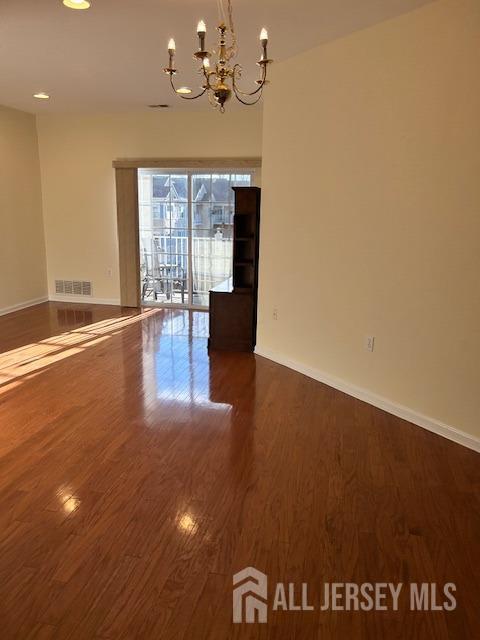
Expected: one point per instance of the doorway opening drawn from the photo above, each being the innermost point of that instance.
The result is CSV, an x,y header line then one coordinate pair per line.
x,y
185,233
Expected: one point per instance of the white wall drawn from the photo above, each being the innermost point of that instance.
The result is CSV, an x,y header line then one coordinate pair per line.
x,y
22,247
79,186
371,212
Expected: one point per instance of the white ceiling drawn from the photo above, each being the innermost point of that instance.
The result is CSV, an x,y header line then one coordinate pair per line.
x,y
111,56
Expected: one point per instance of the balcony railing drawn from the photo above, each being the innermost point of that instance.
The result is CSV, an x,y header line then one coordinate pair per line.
x,y
164,266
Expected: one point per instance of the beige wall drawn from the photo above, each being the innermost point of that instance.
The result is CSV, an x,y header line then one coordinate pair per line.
x,y
371,211
370,220
22,247
78,179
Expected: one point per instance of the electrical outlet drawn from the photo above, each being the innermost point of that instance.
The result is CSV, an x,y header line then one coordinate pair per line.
x,y
275,314
109,273
370,343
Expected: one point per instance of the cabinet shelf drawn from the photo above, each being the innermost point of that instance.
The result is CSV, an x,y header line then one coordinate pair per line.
x,y
233,311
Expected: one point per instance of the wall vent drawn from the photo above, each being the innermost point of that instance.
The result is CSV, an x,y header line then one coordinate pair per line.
x,y
73,287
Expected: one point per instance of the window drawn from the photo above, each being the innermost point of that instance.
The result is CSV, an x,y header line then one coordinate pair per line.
x,y
186,233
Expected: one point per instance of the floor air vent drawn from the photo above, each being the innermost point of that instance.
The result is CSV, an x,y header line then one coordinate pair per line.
x,y
73,287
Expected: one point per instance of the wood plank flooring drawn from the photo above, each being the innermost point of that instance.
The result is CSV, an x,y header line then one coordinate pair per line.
x,y
138,474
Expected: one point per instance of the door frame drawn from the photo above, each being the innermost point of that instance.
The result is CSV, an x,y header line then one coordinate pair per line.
x,y
126,179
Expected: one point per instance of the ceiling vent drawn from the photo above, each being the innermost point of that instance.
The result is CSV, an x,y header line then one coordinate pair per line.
x,y
73,287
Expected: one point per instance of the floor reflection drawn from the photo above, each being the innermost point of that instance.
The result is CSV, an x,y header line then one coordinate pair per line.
x,y
176,363
201,394
69,317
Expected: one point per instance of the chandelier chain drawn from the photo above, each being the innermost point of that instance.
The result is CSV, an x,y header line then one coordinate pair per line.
x,y
232,50
221,11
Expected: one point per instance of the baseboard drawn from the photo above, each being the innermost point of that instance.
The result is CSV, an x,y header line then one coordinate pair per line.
x,y
23,305
431,424
84,300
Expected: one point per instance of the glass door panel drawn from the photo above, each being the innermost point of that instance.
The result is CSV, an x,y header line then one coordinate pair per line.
x,y
186,233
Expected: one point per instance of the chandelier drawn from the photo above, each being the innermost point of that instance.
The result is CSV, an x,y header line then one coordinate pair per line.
x,y
219,77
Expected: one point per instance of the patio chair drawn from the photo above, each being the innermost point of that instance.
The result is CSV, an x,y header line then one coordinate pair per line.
x,y
178,280
152,277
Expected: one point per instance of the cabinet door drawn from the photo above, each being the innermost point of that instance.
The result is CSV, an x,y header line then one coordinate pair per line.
x,y
231,322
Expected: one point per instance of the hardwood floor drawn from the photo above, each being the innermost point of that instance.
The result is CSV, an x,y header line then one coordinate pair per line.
x,y
138,474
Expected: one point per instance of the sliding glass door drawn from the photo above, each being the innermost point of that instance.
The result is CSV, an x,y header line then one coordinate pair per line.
x,y
186,233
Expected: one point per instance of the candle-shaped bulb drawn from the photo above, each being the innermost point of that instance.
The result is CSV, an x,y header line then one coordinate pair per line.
x,y
201,32
206,63
263,34
171,45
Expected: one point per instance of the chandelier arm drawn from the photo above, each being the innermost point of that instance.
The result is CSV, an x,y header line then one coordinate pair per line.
x,y
249,104
257,90
207,74
199,95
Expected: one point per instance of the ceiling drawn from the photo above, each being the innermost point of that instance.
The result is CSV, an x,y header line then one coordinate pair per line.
x,y
111,56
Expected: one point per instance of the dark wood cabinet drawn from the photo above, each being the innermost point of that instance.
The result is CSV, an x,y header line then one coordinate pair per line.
x,y
233,304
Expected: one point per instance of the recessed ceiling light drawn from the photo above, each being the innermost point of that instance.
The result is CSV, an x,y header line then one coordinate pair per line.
x,y
77,4
41,96
184,90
